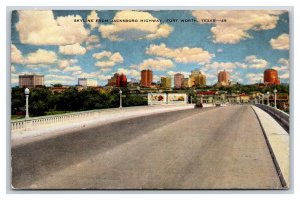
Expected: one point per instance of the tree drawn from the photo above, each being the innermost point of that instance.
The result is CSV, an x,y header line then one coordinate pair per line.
x,y
39,101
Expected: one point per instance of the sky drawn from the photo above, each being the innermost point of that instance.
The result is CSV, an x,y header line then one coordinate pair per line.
x,y
65,45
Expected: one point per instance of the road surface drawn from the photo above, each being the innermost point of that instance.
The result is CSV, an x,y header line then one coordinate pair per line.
x,y
213,148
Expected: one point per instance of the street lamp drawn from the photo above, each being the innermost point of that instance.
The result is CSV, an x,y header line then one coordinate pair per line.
x,y
120,92
268,93
27,91
275,91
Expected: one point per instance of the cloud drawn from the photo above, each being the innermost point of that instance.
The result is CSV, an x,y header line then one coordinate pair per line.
x,y
16,55
39,27
284,67
228,66
14,78
219,50
236,77
132,73
72,49
92,17
92,46
107,59
256,63
164,30
284,76
158,64
12,69
238,23
105,64
92,42
62,79
66,63
281,42
134,25
102,54
172,73
55,70
52,76
41,56
72,69
36,66
254,78
97,75
181,55
283,61
93,39
280,68
156,78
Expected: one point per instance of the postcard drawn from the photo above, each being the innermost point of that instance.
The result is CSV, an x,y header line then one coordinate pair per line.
x,y
150,99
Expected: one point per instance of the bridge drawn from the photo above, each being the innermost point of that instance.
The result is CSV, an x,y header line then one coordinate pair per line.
x,y
153,147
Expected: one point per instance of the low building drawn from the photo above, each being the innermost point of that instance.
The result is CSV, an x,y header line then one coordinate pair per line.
x,y
244,98
56,89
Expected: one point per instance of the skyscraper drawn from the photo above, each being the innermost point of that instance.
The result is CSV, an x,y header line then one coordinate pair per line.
x,y
178,80
121,81
197,78
146,78
271,77
166,82
31,81
118,80
200,80
223,78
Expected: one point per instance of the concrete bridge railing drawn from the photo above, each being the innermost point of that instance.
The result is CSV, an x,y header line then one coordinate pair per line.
x,y
35,123
32,123
281,116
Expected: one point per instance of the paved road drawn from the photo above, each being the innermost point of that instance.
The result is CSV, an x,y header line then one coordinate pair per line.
x,y
216,148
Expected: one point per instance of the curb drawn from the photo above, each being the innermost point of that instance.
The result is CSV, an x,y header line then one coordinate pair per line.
x,y
283,179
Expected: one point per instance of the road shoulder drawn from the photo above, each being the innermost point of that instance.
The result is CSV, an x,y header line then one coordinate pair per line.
x,y
278,142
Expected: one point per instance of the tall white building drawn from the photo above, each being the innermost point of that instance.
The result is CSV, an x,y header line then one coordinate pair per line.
x,y
88,82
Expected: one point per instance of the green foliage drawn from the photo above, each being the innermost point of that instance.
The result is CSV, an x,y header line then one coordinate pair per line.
x,y
134,100
42,101
17,99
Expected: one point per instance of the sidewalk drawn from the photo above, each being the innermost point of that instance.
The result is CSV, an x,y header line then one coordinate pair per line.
x,y
106,116
278,142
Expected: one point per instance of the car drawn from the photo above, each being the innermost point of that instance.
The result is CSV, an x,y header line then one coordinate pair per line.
x,y
198,105
218,104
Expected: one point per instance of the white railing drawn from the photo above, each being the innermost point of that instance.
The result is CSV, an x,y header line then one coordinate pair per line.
x,y
34,122
282,116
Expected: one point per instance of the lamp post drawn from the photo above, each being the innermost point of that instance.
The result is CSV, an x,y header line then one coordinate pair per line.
x,y
268,93
275,91
120,92
27,91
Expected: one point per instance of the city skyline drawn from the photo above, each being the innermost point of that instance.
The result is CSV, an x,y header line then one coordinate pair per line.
x,y
98,50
